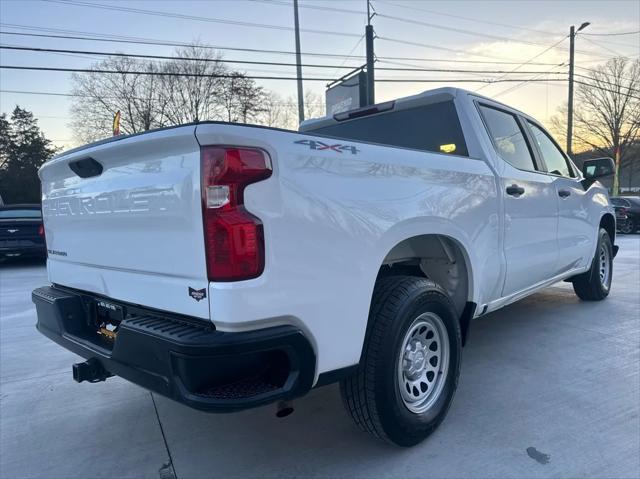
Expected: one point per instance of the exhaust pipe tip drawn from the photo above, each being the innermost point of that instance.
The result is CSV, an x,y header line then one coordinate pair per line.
x,y
284,409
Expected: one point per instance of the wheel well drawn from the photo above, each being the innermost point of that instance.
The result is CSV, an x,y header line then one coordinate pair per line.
x,y
609,224
437,257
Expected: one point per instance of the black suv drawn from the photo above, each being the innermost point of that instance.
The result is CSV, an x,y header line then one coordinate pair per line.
x,y
21,232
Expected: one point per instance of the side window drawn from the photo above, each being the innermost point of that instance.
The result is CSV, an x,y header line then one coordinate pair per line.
x,y
554,158
508,138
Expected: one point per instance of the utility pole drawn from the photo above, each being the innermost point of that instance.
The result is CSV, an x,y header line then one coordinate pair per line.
x,y
371,95
298,63
572,39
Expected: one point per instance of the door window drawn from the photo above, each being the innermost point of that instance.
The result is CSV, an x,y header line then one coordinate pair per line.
x,y
554,158
508,138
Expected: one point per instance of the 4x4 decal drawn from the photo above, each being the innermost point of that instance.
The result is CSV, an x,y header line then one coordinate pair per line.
x,y
319,145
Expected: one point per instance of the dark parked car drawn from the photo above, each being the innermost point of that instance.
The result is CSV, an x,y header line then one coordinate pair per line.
x,y
627,213
21,232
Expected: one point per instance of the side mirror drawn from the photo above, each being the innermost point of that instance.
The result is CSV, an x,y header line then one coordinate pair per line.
x,y
598,168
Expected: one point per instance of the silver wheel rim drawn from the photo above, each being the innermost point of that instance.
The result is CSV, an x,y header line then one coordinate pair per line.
x,y
423,362
605,266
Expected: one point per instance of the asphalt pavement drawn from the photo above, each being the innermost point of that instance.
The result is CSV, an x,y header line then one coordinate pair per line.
x,y
550,387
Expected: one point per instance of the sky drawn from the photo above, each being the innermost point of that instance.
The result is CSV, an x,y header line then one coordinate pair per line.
x,y
410,33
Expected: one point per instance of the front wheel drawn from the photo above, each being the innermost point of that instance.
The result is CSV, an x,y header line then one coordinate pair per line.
x,y
595,284
409,371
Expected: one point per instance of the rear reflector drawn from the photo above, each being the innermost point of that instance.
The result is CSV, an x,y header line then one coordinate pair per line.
x,y
234,238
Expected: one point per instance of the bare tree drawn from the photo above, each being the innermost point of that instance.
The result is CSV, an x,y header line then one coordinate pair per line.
x,y
279,112
607,111
98,96
283,112
193,87
274,110
193,98
313,105
241,98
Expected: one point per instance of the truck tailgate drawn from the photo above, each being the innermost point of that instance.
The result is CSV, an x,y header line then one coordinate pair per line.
x,y
132,232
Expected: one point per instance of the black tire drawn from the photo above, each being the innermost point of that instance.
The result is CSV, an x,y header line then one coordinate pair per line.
x,y
372,394
590,286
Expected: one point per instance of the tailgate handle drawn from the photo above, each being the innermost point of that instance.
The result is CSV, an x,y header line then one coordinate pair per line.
x,y
86,168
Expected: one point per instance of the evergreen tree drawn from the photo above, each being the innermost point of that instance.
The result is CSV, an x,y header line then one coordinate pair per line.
x,y
23,149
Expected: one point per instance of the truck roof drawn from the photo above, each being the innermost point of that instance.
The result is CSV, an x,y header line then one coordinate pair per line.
x,y
424,98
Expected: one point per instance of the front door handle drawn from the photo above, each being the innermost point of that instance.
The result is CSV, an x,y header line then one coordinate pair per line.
x,y
515,190
564,193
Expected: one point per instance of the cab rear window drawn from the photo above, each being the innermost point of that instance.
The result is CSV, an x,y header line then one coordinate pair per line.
x,y
434,127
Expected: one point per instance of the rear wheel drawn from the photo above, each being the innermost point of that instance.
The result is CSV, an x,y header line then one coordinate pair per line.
x,y
594,285
409,371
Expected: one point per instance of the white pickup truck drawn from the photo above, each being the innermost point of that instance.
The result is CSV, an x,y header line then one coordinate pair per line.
x,y
228,266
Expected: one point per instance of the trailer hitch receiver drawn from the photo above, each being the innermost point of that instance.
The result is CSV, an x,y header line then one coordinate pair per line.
x,y
91,370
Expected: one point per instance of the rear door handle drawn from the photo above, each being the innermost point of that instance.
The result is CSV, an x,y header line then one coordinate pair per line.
x,y
564,193
515,190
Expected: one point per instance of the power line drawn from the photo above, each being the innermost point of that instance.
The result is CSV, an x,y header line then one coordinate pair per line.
x,y
617,85
266,26
480,62
142,41
457,30
532,58
156,73
311,7
350,52
434,47
470,19
471,32
611,34
453,50
77,95
47,93
486,35
137,40
253,77
213,60
603,47
181,16
607,90
406,20
488,22
515,87
167,57
598,71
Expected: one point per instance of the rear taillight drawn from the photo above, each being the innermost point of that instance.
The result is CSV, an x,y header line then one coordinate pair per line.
x,y
233,237
41,230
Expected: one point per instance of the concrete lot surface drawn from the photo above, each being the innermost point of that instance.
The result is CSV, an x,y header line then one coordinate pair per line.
x,y
549,388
